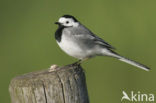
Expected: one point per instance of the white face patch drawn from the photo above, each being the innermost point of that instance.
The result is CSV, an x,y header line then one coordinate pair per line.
x,y
68,22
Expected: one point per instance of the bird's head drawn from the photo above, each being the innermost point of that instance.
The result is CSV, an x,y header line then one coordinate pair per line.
x,y
67,21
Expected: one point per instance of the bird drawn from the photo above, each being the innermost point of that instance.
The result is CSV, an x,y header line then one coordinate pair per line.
x,y
78,41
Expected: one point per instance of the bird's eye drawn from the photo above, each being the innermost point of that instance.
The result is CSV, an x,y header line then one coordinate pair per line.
x,y
67,22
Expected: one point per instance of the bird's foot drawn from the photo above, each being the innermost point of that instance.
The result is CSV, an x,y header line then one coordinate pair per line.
x,y
80,61
77,63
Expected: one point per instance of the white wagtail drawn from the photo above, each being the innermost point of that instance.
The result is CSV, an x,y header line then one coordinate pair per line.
x,y
79,42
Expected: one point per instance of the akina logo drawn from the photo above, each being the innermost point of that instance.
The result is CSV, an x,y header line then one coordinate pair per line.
x,y
137,96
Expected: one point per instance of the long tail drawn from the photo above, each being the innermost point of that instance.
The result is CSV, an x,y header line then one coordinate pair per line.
x,y
134,63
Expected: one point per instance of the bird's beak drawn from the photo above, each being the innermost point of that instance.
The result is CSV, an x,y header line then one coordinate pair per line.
x,y
57,23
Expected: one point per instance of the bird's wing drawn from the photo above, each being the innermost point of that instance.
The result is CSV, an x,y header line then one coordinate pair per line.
x,y
85,33
102,42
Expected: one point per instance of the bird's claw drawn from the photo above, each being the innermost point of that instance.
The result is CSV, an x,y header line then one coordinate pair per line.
x,y
77,63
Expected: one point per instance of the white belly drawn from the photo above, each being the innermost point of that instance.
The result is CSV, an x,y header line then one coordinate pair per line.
x,y
72,48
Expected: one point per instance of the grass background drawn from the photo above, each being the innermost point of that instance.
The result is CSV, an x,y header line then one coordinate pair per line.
x,y
27,43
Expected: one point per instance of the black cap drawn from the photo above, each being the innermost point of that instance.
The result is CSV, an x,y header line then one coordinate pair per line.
x,y
70,16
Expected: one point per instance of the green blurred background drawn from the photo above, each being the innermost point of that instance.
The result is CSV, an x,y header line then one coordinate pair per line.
x,y
27,43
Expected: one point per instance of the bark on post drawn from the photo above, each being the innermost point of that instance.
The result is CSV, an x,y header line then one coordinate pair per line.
x,y
64,85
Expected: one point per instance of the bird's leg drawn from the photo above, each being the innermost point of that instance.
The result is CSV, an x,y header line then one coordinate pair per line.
x,y
80,61
77,62
85,59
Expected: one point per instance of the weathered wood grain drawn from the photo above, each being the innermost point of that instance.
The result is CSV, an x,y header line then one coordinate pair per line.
x,y
64,85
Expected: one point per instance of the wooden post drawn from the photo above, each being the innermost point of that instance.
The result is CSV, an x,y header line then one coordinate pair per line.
x,y
63,85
